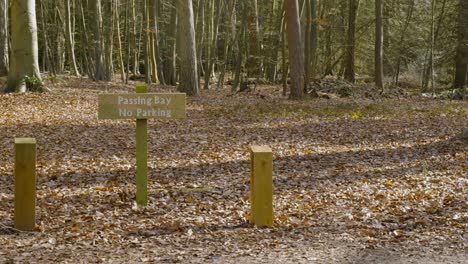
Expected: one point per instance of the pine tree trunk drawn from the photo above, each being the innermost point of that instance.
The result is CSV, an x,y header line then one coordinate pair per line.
x,y
296,56
24,65
188,54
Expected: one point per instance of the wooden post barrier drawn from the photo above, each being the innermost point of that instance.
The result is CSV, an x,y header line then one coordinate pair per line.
x,y
261,186
25,184
141,155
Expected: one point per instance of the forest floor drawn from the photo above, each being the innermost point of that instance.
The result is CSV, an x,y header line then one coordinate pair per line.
x,y
356,180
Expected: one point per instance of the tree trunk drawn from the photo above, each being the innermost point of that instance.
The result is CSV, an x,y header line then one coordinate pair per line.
x,y
461,59
24,68
241,39
172,43
69,40
296,56
409,15
98,60
349,65
119,40
254,67
108,33
188,54
229,38
307,45
216,5
3,38
379,44
59,37
314,38
155,38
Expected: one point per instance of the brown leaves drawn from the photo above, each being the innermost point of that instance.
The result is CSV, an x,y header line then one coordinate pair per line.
x,y
364,172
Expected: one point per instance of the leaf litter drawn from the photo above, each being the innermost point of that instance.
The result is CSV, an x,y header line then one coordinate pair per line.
x,y
351,176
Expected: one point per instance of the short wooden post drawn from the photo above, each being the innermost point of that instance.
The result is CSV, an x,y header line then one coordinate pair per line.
x,y
261,186
25,184
141,155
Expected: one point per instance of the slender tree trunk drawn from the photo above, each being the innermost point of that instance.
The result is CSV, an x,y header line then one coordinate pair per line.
x,y
146,42
284,65
3,38
188,54
99,64
402,38
307,45
119,40
379,44
433,37
277,36
254,64
172,43
155,37
241,39
90,66
108,33
59,39
128,41
69,40
24,65
461,58
296,56
314,39
201,29
229,38
217,5
349,68
134,39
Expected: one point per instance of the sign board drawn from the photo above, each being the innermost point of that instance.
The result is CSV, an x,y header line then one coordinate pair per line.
x,y
141,106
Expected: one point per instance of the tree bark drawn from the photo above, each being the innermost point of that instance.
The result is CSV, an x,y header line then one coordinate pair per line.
x,y
70,41
3,38
296,56
98,60
349,65
254,67
461,58
409,15
307,45
314,38
379,44
188,54
24,68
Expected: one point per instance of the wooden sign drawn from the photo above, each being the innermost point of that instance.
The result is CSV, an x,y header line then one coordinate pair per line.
x,y
141,106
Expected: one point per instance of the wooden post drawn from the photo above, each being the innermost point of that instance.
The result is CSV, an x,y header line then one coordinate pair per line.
x,y
261,186
25,183
141,155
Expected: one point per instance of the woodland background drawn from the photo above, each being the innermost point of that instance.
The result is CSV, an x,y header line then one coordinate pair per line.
x,y
423,42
